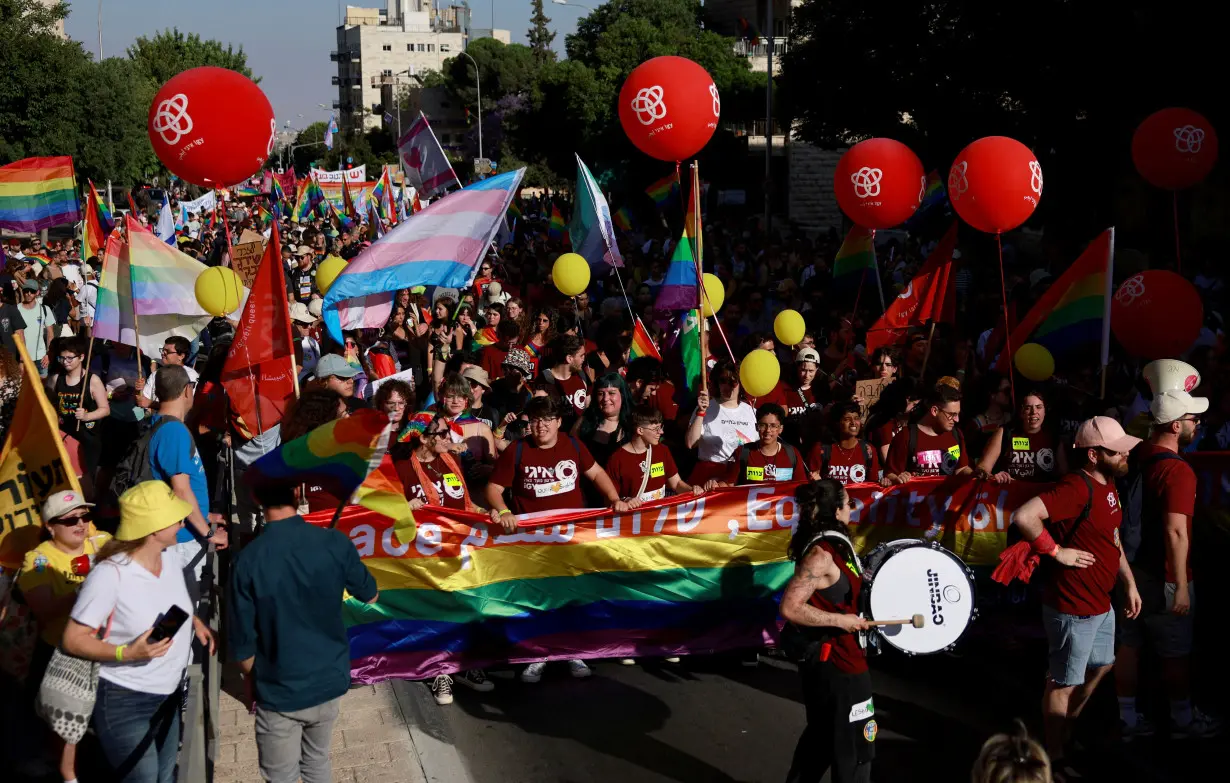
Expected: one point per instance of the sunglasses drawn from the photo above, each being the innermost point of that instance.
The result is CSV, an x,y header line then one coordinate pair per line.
x,y
437,433
71,522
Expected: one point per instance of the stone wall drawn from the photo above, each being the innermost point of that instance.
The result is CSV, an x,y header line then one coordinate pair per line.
x,y
812,203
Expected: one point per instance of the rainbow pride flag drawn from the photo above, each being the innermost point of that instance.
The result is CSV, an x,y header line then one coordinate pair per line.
x,y
98,225
338,456
623,219
642,344
1074,313
856,255
681,288
42,258
663,190
514,211
38,193
555,229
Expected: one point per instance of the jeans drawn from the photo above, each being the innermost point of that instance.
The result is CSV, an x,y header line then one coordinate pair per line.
x,y
139,732
294,744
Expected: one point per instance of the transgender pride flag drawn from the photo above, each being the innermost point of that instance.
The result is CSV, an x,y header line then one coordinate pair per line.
x,y
440,246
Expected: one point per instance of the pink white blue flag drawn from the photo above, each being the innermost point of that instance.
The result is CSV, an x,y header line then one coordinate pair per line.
x,y
426,166
439,246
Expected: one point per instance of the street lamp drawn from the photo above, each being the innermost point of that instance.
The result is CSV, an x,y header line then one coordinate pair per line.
x,y
574,5
479,87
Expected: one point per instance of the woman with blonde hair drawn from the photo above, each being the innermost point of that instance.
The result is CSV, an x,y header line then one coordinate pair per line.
x,y
1012,758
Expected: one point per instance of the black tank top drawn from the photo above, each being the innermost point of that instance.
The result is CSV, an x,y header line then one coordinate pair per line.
x,y
67,398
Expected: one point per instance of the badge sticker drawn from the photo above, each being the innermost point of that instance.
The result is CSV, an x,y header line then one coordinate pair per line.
x,y
784,474
657,470
1020,444
954,451
862,711
870,730
755,474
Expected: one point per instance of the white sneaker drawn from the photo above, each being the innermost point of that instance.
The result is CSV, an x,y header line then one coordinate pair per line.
x,y
1200,727
1143,728
533,672
442,689
579,670
672,659
476,679
628,661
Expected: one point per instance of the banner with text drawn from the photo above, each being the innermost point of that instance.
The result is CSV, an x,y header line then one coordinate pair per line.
x,y
356,174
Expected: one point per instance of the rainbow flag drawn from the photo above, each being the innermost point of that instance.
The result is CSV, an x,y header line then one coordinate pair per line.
x,y
486,336
38,193
555,230
245,191
663,190
514,211
642,344
311,202
276,192
263,215
98,224
856,254
1074,313
681,288
623,219
41,258
381,193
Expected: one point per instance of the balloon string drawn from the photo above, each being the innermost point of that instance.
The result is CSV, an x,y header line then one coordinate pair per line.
x,y
1003,292
1174,195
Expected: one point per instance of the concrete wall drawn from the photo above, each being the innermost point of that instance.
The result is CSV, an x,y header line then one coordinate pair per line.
x,y
812,202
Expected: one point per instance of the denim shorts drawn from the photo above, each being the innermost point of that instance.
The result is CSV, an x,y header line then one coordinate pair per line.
x,y
1075,644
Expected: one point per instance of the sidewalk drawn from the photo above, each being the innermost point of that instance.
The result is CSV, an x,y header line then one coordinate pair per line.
x,y
372,742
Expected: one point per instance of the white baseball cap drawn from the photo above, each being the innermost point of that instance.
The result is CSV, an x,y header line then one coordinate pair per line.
x,y
1170,406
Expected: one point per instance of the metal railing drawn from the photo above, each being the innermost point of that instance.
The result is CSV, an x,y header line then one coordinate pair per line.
x,y
759,47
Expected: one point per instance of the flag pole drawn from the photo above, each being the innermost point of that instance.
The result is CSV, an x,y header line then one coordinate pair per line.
x,y
85,377
698,248
1106,298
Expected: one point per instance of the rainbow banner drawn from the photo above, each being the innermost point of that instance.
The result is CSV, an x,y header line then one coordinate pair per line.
x,y
680,576
38,193
663,190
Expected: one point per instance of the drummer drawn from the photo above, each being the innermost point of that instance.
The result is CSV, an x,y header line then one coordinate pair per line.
x,y
821,602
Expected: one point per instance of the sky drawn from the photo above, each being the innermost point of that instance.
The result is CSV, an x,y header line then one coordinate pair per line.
x,y
287,41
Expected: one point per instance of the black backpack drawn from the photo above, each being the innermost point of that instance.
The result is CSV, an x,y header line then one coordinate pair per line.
x,y
791,452
826,458
135,468
911,454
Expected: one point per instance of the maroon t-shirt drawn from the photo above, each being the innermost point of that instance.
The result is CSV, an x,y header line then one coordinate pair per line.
x,y
1172,482
575,391
849,466
627,471
797,401
449,486
934,455
1028,457
761,468
491,358
1083,591
547,479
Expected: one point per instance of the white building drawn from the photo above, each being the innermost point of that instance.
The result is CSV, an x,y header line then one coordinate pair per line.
x,y
503,36
376,46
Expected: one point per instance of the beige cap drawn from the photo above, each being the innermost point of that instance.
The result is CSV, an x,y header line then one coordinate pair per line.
x,y
1105,433
59,504
478,375
299,312
807,355
315,307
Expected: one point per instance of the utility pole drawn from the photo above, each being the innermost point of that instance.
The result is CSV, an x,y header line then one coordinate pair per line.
x,y
768,128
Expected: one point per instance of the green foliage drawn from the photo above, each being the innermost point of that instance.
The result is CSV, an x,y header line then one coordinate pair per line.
x,y
115,103
539,35
503,69
170,52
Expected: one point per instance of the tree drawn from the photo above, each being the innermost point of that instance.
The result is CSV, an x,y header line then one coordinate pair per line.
x,y
170,52
309,146
114,143
503,69
539,35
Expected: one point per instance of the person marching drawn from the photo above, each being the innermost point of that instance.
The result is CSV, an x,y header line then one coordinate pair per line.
x,y
1159,550
643,469
850,460
1031,454
820,605
716,431
933,446
768,459
1076,599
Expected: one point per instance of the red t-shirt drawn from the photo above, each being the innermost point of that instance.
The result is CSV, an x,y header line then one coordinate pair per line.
x,y
449,486
849,466
761,468
934,455
797,401
778,396
547,479
846,655
575,391
1028,457
884,434
627,471
1083,591
1172,485
491,359
665,401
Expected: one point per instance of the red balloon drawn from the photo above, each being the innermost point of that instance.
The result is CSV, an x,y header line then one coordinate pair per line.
x,y
669,107
212,126
995,184
1156,314
879,183
1174,148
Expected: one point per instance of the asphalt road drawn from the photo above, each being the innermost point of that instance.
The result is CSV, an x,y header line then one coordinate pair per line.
x,y
710,719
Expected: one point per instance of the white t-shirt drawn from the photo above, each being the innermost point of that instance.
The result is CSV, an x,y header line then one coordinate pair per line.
x,y
149,393
725,430
37,318
139,599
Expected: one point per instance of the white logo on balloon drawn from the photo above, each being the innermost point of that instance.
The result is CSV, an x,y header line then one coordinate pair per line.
x,y
273,137
867,182
717,101
957,183
649,105
1035,177
922,189
1188,139
171,119
1132,289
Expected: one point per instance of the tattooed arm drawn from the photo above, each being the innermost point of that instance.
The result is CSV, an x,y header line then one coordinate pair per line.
x,y
816,572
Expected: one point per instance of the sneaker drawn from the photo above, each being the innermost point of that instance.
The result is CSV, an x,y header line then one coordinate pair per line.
x,y
672,659
579,670
628,661
1143,728
476,679
442,689
533,672
1200,727
750,660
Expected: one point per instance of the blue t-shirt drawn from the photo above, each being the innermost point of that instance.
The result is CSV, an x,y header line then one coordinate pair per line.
x,y
171,451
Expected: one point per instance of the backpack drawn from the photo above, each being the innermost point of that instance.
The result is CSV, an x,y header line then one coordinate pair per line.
x,y
745,453
1132,501
826,457
911,463
135,467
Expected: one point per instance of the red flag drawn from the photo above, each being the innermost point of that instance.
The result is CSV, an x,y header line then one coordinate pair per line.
x,y
259,374
928,297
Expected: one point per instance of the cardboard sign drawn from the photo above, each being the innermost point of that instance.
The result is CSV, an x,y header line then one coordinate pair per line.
x,y
869,393
246,256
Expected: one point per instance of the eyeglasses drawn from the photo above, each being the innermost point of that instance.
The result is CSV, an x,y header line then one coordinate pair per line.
x,y
437,433
659,427
169,352
395,404
950,415
764,425
543,421
67,359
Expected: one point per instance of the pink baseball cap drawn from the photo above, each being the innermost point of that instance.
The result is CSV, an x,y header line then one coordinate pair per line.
x,y
1106,433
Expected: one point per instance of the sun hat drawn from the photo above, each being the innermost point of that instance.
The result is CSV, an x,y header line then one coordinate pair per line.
x,y
149,507
478,375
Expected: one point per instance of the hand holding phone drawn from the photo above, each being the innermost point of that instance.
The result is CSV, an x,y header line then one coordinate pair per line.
x,y
169,624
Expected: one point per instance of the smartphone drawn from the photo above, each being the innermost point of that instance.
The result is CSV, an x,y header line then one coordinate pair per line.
x,y
169,624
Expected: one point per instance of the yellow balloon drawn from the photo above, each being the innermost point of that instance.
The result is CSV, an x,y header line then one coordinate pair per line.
x,y
570,274
327,272
789,327
759,372
1035,362
219,291
715,295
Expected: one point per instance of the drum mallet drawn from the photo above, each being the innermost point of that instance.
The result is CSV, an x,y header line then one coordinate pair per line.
x,y
917,621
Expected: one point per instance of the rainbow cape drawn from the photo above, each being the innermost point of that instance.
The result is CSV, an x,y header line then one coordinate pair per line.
x,y
662,190
38,193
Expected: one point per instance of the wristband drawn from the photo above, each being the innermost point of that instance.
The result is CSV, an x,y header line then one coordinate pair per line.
x,y
507,511
119,653
1044,544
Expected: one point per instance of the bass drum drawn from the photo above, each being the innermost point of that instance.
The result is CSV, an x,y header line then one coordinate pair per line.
x,y
908,577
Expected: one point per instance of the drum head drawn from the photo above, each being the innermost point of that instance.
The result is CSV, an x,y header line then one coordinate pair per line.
x,y
922,579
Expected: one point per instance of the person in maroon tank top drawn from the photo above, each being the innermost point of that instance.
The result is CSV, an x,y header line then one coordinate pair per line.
x,y
821,605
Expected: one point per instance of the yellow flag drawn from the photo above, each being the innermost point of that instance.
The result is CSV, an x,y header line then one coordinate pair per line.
x,y
33,465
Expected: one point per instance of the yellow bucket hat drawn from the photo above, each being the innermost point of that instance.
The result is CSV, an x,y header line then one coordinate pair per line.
x,y
147,508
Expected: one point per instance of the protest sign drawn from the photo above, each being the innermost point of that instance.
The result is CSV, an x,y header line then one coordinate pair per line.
x,y
246,256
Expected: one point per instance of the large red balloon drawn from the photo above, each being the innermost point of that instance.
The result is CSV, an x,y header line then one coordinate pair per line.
x,y
669,107
995,184
879,183
1174,148
212,126
1156,314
